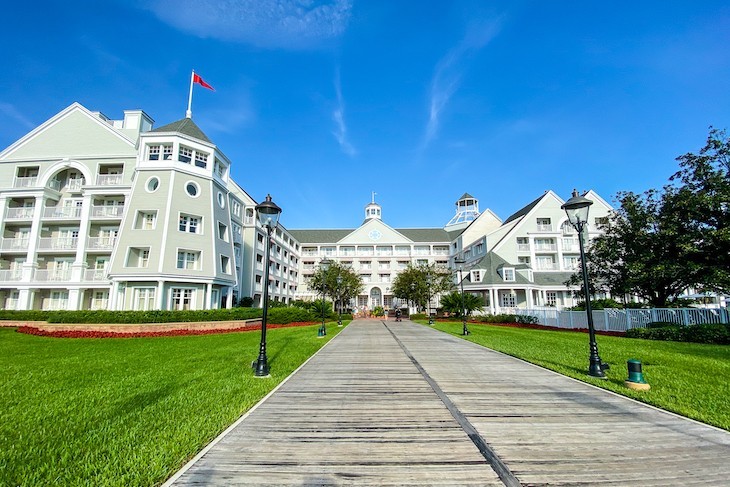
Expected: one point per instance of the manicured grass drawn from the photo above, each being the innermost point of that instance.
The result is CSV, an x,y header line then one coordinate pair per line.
x,y
690,379
128,411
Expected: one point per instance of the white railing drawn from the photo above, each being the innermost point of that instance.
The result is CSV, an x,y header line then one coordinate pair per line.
x,y
15,243
523,247
74,184
347,253
95,275
544,227
98,304
402,252
546,247
547,267
624,319
11,275
248,220
53,275
100,243
27,182
59,243
62,212
103,211
108,179
19,213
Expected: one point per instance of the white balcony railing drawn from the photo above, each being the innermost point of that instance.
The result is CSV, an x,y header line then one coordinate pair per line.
x,y
544,227
15,243
23,213
51,275
108,179
523,247
74,184
101,243
95,275
28,182
58,243
11,275
248,220
546,247
547,267
105,211
98,304
62,212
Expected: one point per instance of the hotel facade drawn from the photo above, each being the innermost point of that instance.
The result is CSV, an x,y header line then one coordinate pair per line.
x,y
98,213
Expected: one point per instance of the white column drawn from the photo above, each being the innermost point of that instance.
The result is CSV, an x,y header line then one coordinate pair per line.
x,y
209,296
35,230
113,296
74,296
159,298
229,298
80,265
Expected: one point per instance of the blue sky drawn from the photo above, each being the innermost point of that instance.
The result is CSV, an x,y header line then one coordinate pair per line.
x,y
322,102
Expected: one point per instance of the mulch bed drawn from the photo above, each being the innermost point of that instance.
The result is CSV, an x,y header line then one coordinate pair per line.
x,y
29,330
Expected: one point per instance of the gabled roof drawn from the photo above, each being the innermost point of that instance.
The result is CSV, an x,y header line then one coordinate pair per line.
x,y
335,235
425,234
186,126
467,195
526,209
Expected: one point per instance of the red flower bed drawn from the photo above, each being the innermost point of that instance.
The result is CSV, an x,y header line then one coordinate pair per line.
x,y
29,330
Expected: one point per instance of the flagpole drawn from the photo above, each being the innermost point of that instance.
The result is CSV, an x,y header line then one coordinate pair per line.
x,y
189,112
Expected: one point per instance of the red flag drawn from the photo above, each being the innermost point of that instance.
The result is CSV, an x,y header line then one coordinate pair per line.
x,y
201,82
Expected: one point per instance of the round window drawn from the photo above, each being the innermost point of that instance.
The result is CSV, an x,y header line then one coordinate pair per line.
x,y
221,200
192,189
152,184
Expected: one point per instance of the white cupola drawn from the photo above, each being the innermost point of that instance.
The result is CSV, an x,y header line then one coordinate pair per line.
x,y
467,209
372,210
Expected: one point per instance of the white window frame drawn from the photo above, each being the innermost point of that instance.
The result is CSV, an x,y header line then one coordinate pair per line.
x,y
144,298
189,223
508,274
179,296
188,260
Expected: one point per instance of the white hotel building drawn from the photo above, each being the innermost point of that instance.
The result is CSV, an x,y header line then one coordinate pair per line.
x,y
115,214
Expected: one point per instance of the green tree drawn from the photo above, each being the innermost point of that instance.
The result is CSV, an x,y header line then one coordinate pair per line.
x,y
324,281
452,303
420,283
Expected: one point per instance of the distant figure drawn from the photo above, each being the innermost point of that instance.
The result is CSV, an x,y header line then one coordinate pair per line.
x,y
397,314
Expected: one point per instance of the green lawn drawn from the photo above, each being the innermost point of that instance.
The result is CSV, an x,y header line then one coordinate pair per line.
x,y
690,379
128,411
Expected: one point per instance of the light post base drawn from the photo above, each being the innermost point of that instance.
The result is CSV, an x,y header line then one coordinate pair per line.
x,y
321,332
595,370
260,368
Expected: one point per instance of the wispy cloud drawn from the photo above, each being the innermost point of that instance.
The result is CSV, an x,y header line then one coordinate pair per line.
x,y
448,72
338,116
289,24
11,112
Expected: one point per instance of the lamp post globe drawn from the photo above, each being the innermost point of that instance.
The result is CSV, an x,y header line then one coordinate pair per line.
x,y
577,210
268,216
460,262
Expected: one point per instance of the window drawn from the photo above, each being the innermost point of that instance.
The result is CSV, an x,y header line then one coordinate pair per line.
x,y
479,248
222,232
144,298
58,300
219,168
154,151
152,184
476,276
146,220
508,300
185,154
192,189
523,260
182,299
226,264
523,244
138,257
188,259
201,159
221,200
544,225
167,152
545,263
189,223
508,274
570,262
236,208
551,298
601,221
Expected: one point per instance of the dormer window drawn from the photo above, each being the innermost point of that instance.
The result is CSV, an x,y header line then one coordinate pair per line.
x,y
201,159
154,152
508,274
185,154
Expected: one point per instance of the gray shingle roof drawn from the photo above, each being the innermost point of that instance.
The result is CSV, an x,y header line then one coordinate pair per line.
x,y
335,235
524,211
320,236
186,126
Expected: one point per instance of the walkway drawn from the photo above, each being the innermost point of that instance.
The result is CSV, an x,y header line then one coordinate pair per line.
x,y
402,404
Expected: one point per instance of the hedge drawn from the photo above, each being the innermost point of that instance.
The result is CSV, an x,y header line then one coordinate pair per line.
x,y
713,333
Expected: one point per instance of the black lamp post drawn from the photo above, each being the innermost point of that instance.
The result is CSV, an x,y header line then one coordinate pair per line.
x,y
577,210
339,301
428,282
268,215
460,263
324,264
413,298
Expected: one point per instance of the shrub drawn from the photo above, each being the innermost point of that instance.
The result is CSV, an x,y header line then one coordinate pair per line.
x,y
701,333
25,315
660,324
505,318
289,315
418,316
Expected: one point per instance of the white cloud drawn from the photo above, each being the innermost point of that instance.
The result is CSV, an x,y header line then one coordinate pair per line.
x,y
289,24
338,116
448,72
11,112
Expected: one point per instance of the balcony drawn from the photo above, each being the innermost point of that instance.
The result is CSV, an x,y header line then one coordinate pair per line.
x,y
62,212
248,220
26,182
109,179
95,275
107,211
58,243
547,266
544,227
545,247
100,243
24,213
52,275
98,304
20,244
11,275
523,247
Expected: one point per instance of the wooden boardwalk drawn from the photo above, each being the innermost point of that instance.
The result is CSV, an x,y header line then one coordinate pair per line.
x,y
402,404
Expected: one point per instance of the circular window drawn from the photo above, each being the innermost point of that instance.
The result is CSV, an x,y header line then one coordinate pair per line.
x,y
152,184
221,200
192,189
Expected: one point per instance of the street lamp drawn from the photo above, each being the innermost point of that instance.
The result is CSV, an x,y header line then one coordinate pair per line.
x,y
428,281
339,301
268,215
324,264
577,210
460,263
413,299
